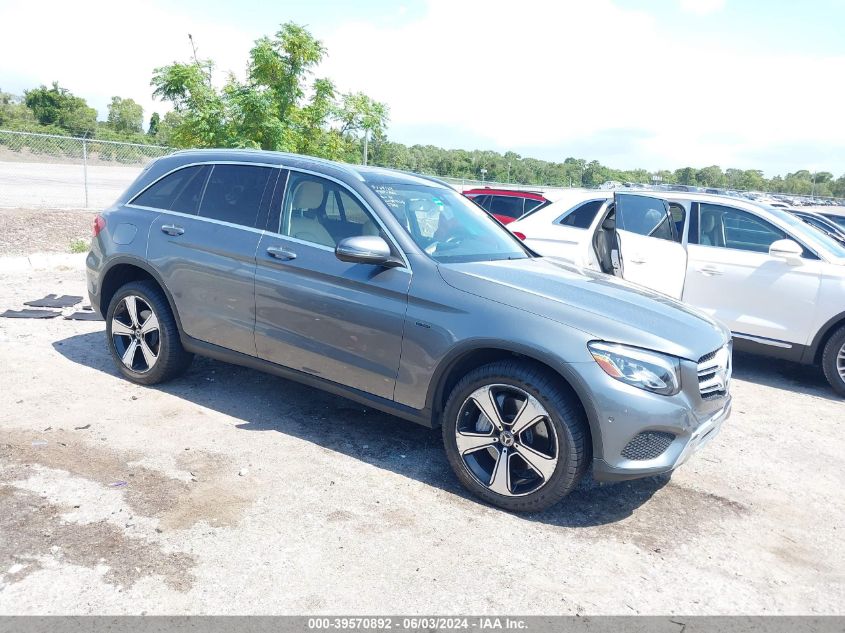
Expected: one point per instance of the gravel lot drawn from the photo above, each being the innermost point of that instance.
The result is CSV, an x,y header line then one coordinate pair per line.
x,y
25,231
246,493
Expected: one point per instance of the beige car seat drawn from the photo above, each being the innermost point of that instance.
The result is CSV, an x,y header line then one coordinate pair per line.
x,y
708,226
307,198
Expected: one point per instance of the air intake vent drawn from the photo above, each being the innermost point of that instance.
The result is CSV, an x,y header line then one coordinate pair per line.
x,y
647,445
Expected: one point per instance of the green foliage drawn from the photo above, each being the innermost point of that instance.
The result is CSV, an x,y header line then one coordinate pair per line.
x,y
155,121
79,246
14,113
125,115
277,107
58,106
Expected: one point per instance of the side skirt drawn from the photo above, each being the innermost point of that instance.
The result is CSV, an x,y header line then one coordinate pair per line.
x,y
770,348
201,348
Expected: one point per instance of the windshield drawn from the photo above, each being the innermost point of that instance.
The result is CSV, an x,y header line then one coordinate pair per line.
x,y
446,225
812,236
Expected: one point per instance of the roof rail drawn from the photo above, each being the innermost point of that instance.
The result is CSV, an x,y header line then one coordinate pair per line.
x,y
248,150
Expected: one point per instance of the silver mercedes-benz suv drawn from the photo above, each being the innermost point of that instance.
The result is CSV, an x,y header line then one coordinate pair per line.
x,y
394,290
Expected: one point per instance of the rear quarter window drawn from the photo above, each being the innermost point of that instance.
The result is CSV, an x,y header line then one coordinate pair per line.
x,y
582,216
179,191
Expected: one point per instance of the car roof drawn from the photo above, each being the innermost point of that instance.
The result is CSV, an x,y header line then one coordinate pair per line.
x,y
372,175
516,193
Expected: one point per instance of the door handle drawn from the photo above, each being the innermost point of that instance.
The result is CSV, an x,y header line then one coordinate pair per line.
x,y
710,271
172,229
638,259
280,253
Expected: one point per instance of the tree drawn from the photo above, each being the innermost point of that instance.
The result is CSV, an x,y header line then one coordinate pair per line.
x,y
686,176
125,115
58,106
277,106
13,112
155,121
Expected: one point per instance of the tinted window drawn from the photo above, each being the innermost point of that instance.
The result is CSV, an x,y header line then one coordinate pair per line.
x,y
320,211
531,205
582,216
643,215
481,201
510,206
731,228
234,193
179,191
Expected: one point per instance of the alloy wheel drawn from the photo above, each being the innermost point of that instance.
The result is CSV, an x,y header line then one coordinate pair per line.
x,y
135,334
506,440
840,363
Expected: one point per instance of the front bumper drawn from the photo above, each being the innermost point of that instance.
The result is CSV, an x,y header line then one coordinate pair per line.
x,y
631,469
619,413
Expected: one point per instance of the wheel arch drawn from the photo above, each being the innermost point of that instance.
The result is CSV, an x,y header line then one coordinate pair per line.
x,y
122,270
474,354
816,349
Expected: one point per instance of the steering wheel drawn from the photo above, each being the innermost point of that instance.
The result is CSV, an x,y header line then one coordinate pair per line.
x,y
450,243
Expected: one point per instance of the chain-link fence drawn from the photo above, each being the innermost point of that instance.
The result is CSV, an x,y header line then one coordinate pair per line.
x,y
62,172
40,171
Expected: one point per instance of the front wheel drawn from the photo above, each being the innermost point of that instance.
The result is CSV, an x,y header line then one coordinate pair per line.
x,y
515,437
833,361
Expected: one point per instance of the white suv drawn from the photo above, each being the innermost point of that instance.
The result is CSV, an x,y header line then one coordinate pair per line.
x,y
776,282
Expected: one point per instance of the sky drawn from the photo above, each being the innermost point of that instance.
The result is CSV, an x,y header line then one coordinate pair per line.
x,y
750,84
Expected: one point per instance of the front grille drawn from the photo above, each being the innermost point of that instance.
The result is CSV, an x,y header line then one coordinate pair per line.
x,y
714,373
647,445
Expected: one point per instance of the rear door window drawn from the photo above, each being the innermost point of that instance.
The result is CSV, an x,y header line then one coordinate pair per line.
x,y
234,193
509,206
179,191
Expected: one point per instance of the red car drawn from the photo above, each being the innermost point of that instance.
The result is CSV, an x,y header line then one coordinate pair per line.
x,y
506,205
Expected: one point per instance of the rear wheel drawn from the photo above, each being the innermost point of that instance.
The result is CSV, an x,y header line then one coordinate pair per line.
x,y
142,334
514,437
833,361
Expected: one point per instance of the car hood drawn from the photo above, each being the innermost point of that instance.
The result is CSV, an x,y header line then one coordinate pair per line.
x,y
603,306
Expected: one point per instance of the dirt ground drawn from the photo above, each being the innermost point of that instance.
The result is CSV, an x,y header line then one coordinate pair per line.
x,y
230,491
25,231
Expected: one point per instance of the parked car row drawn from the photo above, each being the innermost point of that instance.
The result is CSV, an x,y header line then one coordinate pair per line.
x,y
777,282
507,205
396,291
772,199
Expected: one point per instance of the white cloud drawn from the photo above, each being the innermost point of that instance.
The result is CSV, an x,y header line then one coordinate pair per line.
x,y
552,75
99,49
702,7
547,79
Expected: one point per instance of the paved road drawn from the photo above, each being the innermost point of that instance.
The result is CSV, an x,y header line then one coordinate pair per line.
x,y
246,493
61,186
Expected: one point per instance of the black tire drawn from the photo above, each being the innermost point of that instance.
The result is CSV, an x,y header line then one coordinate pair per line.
x,y
565,416
171,357
833,361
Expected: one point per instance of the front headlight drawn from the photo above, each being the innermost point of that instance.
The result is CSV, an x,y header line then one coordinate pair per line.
x,y
652,371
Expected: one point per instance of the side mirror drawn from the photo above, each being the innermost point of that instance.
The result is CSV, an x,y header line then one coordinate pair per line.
x,y
365,249
788,250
